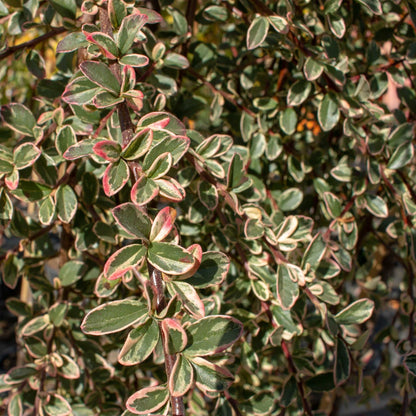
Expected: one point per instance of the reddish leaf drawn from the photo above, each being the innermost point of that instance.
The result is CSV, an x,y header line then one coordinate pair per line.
x,y
162,224
115,177
108,150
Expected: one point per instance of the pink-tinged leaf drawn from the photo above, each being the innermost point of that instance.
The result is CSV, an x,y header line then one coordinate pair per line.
x,y
174,335
101,75
212,334
133,220
138,145
130,27
108,150
181,377
210,377
114,316
162,224
196,251
115,177
106,44
105,287
140,343
152,16
134,99
174,125
12,180
123,260
148,400
170,258
25,155
144,190
171,189
134,59
128,78
189,298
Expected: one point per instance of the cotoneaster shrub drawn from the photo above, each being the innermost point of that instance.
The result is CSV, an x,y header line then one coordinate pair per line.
x,y
210,204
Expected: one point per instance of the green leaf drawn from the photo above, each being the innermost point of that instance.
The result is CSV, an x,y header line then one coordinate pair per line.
x,y
208,194
65,138
261,404
66,8
133,220
373,6
314,252
215,13
36,64
321,382
35,325
148,400
410,363
376,205
72,42
160,167
289,392
66,203
71,272
181,377
138,145
298,92
101,75
212,270
342,363
69,368
402,156
80,91
105,287
170,189
175,61
355,313
170,258
176,145
279,24
288,120
144,190
114,316
15,406
290,199
328,112
19,118
287,288
140,343
115,177
174,335
6,206
189,297
312,69
212,334
56,405
130,26
257,32
332,204
134,59
235,171
80,149
123,260
25,155
209,376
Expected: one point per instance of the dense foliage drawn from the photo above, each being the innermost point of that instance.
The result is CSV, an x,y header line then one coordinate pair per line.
x,y
209,207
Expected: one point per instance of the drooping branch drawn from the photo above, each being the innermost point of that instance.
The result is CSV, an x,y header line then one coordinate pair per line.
x,y
32,43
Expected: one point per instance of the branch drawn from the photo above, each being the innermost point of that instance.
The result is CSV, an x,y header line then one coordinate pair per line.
x,y
32,43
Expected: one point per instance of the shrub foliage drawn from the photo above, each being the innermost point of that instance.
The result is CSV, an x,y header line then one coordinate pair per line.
x,y
211,204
